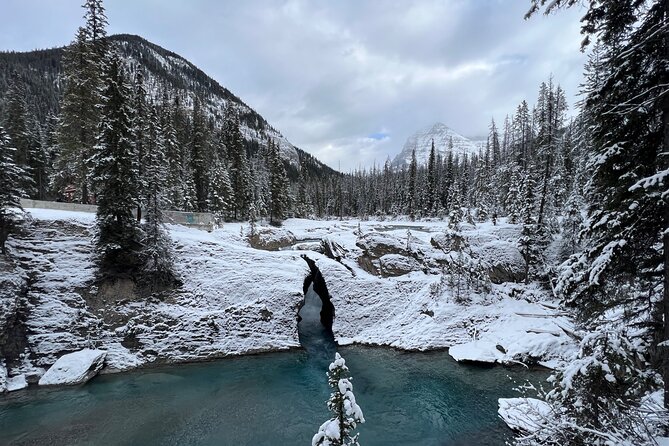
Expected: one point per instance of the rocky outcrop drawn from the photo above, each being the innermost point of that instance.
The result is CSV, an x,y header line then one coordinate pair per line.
x,y
74,368
389,256
271,239
392,265
503,261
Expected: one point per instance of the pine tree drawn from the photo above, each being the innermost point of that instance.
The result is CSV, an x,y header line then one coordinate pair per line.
x,y
280,200
158,259
20,138
11,178
140,135
239,169
431,189
337,431
411,187
527,243
83,65
199,155
115,179
221,196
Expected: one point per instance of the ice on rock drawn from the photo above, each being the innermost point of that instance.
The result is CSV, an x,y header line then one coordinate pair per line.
x,y
74,368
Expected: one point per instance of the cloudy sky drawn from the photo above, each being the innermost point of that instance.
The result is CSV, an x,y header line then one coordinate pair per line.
x,y
346,80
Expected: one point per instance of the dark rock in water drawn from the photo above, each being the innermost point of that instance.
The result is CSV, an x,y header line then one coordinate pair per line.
x,y
272,239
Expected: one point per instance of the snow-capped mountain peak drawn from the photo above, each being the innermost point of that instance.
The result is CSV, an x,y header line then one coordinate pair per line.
x,y
442,135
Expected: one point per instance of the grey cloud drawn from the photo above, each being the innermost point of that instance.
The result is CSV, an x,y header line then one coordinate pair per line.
x,y
328,74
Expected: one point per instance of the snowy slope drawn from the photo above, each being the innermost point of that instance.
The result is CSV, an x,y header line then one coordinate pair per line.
x,y
442,135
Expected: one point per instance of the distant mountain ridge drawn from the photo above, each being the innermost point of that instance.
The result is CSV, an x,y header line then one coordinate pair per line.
x,y
442,135
161,67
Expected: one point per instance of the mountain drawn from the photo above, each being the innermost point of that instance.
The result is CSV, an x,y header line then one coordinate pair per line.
x,y
441,135
41,70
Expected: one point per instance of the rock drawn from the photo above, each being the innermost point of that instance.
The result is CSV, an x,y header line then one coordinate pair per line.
x,y
500,349
392,265
16,383
74,368
272,239
505,263
524,414
378,244
3,378
476,351
332,249
34,377
309,246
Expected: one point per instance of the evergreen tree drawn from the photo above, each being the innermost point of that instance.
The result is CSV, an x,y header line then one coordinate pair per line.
x,y
141,134
411,187
239,169
115,179
431,189
337,431
83,65
199,155
280,200
221,196
20,138
158,259
11,178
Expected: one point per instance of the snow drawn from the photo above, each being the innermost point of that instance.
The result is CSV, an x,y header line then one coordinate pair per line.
x,y
74,368
238,300
524,414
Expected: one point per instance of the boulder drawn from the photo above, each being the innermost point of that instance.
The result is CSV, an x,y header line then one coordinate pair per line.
x,y
504,261
74,368
271,239
392,265
16,383
378,244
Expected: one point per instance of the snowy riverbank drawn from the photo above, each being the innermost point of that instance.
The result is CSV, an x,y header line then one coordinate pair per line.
x,y
237,300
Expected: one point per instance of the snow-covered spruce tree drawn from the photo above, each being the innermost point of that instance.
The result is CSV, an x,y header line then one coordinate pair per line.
x,y
115,179
527,243
622,278
83,67
431,197
572,224
20,134
278,184
239,168
157,268
200,155
338,430
412,195
11,178
220,190
174,177
140,135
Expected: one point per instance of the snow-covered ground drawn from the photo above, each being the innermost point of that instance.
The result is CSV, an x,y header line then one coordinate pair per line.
x,y
236,299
